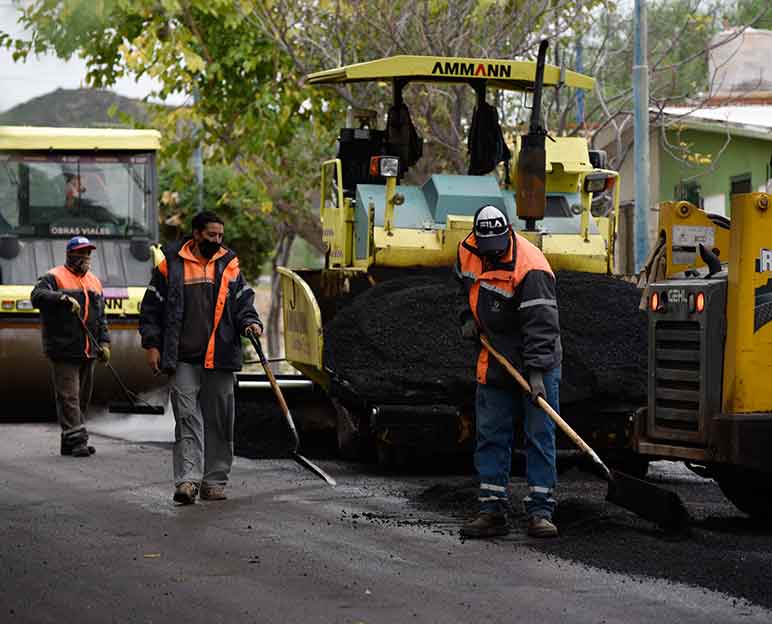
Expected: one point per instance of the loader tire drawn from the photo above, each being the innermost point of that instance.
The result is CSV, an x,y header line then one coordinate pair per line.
x,y
748,490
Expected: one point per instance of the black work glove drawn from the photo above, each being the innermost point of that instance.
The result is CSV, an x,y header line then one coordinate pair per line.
x,y
469,329
536,381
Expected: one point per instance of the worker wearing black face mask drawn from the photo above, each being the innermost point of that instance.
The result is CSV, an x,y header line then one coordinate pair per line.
x,y
509,295
68,296
193,314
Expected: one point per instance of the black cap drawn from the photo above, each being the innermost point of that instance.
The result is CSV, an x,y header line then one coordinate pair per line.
x,y
491,229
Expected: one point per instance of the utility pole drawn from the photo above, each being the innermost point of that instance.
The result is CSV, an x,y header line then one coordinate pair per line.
x,y
198,163
641,130
579,92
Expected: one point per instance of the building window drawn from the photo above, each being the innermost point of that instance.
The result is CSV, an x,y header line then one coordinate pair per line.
x,y
740,184
689,191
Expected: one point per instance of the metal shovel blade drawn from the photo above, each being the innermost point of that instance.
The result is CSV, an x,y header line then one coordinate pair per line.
x,y
306,463
647,500
119,407
311,466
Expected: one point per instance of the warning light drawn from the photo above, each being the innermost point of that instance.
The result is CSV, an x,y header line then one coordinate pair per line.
x,y
700,302
654,302
384,166
8,305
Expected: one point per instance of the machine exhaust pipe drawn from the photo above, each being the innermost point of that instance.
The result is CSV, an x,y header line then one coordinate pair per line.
x,y
532,160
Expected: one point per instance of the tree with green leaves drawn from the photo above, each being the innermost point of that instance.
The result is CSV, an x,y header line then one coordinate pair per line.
x,y
247,104
243,62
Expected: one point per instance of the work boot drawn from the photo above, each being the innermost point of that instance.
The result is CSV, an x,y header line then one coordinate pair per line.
x,y
486,524
539,526
185,493
213,492
80,450
66,449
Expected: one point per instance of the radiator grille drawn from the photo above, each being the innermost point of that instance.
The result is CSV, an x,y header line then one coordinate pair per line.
x,y
677,375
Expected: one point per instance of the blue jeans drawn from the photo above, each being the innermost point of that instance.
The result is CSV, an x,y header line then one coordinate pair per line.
x,y
496,408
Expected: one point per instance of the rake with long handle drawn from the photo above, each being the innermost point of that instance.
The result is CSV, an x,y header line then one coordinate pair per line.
x,y
135,404
303,461
642,498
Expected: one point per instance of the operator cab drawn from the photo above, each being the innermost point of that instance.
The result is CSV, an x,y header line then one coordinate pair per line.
x,y
357,146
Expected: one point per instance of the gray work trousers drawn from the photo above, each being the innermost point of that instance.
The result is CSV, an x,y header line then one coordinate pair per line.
x,y
73,385
204,412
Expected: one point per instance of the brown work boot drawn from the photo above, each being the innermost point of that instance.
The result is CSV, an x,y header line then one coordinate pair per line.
x,y
213,492
185,493
80,450
539,526
486,524
65,449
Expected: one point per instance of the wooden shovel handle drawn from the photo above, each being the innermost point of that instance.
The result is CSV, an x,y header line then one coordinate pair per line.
x,y
275,386
564,426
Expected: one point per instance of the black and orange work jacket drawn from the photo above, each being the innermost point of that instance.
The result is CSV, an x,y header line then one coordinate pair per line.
x,y
63,335
512,299
195,310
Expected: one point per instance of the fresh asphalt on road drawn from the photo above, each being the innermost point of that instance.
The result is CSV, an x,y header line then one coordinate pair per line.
x,y
100,540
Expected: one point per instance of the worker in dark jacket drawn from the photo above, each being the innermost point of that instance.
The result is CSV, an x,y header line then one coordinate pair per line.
x,y
68,296
509,293
193,314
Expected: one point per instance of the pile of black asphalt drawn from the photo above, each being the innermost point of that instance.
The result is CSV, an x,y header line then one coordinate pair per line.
x,y
400,341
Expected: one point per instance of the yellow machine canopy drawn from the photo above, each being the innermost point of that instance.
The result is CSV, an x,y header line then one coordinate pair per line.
x,y
502,74
43,138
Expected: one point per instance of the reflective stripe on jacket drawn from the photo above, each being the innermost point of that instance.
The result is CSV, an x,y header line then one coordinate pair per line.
x,y
512,299
197,309
63,336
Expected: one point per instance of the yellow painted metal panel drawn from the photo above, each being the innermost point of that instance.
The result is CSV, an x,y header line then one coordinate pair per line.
x,y
336,215
684,225
19,295
434,248
43,138
748,353
413,248
569,252
303,338
502,74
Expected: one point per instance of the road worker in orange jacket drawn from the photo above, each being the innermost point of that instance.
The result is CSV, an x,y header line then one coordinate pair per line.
x,y
510,297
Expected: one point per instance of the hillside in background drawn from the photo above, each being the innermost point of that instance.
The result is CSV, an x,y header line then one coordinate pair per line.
x,y
75,107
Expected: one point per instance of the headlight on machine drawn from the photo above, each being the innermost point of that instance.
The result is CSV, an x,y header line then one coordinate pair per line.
x,y
384,166
7,304
598,182
24,304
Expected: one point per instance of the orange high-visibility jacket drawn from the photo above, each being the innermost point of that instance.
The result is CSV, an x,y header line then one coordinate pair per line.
x,y
195,310
63,336
512,299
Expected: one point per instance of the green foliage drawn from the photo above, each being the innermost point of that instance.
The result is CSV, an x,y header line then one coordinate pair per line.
x,y
243,63
750,10
238,201
248,106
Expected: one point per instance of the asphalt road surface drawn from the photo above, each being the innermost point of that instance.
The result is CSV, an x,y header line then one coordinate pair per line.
x,y
100,540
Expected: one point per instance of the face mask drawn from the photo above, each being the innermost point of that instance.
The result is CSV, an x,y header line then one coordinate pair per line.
x,y
79,264
208,248
495,254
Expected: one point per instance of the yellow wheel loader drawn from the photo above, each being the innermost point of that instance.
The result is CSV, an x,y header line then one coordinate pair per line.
x,y
381,304
56,183
710,349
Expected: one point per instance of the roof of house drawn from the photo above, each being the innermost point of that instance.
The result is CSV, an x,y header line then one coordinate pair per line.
x,y
751,120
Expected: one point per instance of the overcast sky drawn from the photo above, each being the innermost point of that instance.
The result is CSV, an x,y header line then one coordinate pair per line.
x,y
20,82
